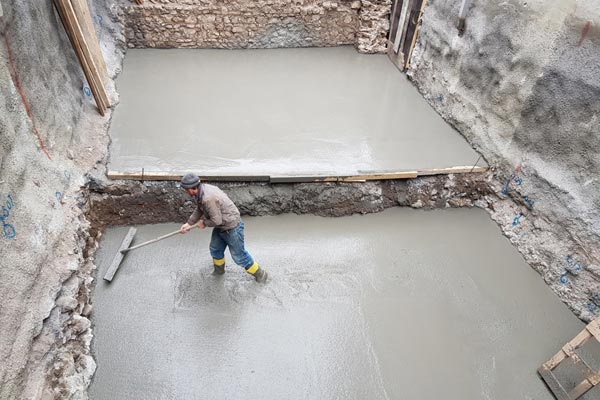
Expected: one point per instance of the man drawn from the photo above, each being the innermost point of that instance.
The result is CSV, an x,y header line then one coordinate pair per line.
x,y
216,210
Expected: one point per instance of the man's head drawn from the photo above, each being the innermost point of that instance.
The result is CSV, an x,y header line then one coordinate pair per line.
x,y
190,183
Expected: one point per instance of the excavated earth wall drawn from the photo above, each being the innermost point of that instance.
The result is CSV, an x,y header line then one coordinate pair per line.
x,y
50,136
523,86
258,24
127,203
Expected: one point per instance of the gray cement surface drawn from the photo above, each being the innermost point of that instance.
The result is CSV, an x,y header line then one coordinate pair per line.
x,y
316,111
404,304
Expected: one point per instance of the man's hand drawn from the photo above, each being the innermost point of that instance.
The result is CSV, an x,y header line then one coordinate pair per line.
x,y
185,228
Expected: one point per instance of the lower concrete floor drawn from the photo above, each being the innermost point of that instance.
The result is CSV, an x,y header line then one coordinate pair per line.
x,y
276,113
404,304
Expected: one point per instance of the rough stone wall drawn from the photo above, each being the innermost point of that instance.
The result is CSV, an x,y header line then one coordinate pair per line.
x,y
523,86
50,134
374,26
257,24
130,203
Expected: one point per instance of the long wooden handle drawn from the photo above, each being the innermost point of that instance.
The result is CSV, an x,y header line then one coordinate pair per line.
x,y
153,240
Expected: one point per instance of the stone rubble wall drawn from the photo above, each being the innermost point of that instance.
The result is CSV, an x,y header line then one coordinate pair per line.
x,y
523,86
374,26
257,24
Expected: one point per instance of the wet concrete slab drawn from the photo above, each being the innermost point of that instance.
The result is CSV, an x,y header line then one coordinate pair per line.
x,y
404,304
276,112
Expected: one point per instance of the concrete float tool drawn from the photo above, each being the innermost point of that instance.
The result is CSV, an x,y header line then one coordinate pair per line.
x,y
124,249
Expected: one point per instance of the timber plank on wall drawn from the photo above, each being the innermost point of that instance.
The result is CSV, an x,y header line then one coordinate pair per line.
x,y
406,18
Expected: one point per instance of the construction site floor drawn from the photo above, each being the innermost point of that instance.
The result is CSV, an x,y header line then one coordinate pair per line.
x,y
404,304
277,112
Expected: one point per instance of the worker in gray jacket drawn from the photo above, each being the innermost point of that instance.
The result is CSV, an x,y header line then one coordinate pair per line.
x,y
216,210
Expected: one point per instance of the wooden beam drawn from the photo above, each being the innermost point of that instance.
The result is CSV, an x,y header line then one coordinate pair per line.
x,y
394,22
66,21
349,178
360,177
463,169
415,35
382,176
176,176
402,25
89,32
68,17
83,41
394,27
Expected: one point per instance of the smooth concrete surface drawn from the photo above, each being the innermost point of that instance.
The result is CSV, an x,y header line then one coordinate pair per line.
x,y
310,111
404,304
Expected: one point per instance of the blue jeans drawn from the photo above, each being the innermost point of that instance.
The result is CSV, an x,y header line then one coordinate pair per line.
x,y
234,238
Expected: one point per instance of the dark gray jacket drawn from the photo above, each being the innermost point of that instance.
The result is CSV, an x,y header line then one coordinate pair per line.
x,y
215,208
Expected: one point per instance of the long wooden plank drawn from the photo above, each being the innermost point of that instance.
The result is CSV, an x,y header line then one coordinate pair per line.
x,y
392,54
85,47
382,176
80,46
403,23
302,179
352,178
67,20
415,35
82,12
114,265
401,29
464,169
361,176
395,20
176,176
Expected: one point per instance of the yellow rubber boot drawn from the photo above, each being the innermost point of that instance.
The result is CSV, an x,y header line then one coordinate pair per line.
x,y
259,274
219,265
